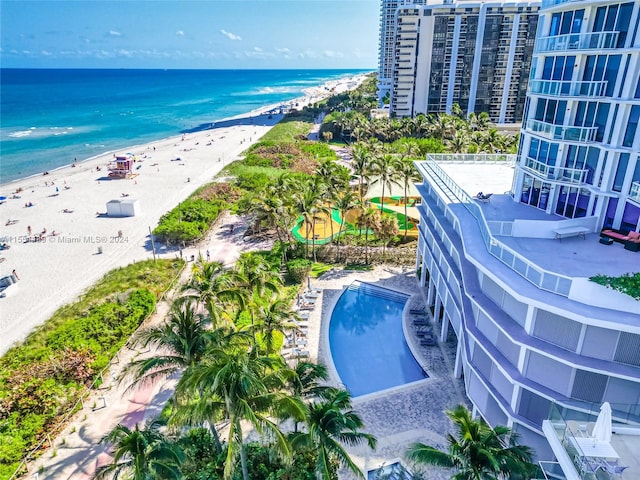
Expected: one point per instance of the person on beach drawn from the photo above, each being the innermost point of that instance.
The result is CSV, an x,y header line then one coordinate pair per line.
x,y
29,229
15,274
208,256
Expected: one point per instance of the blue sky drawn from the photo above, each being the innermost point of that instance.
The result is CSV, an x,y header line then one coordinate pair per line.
x,y
189,34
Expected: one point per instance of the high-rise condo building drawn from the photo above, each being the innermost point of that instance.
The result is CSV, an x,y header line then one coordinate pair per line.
x,y
386,44
509,274
475,54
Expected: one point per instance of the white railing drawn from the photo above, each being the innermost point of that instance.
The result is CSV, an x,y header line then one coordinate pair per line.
x,y
563,88
577,41
562,132
577,176
553,3
541,278
507,159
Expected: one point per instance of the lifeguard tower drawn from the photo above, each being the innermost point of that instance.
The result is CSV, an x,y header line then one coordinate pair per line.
x,y
121,167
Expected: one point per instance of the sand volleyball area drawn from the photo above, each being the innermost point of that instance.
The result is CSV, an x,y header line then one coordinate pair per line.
x,y
64,241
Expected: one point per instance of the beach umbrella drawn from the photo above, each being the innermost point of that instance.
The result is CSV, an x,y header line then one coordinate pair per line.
x,y
602,429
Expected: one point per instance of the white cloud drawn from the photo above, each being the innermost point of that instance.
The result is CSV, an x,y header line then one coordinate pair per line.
x,y
333,54
45,53
114,33
180,33
230,35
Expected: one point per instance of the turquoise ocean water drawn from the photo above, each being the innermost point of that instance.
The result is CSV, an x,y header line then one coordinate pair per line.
x,y
48,118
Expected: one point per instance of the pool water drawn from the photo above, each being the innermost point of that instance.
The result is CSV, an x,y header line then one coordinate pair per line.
x,y
366,340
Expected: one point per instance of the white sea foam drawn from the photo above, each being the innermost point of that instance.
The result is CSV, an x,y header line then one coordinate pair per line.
x,y
272,90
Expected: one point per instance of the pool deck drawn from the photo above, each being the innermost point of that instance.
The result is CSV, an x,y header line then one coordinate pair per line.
x,y
402,415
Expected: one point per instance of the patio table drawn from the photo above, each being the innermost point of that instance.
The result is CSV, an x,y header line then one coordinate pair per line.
x,y
589,448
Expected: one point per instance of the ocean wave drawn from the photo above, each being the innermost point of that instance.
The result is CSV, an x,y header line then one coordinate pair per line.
x,y
272,90
40,132
22,133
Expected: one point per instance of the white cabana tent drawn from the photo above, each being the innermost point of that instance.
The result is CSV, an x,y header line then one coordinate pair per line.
x,y
123,208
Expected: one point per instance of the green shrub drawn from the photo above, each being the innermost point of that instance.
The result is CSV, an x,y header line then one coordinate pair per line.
x,y
298,269
189,221
41,379
628,283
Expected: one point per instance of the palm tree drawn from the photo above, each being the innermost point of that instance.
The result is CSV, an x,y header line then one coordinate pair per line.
x,y
212,285
361,165
141,455
367,220
331,423
384,170
183,339
491,141
407,174
344,202
459,142
254,277
275,316
244,386
386,228
479,452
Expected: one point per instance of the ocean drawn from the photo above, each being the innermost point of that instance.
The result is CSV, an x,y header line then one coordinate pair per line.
x,y
53,117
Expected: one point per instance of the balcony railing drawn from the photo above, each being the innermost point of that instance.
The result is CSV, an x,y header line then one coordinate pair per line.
x,y
538,276
560,88
567,426
562,132
634,193
575,176
553,3
577,41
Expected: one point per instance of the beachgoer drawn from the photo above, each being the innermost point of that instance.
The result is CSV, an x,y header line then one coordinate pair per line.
x,y
15,274
29,229
119,233
208,256
180,253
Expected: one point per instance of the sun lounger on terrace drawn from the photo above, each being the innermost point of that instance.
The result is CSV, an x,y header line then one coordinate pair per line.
x,y
425,333
418,311
421,321
298,353
428,342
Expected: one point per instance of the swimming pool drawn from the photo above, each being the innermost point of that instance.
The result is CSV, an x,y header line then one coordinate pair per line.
x,y
366,340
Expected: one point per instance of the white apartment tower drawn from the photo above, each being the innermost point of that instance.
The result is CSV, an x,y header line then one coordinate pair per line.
x,y
388,11
541,346
475,54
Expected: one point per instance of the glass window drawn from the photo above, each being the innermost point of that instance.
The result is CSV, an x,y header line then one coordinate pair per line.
x,y
548,68
611,73
637,95
623,162
632,126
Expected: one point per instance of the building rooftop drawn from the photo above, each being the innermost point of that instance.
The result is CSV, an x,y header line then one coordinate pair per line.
x,y
573,256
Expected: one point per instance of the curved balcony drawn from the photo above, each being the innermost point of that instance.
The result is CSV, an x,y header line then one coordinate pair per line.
x,y
562,88
573,176
577,41
562,132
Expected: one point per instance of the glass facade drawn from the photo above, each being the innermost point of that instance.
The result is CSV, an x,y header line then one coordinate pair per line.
x,y
581,126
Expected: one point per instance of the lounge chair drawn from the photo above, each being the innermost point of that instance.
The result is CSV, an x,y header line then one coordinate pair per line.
x,y
612,468
426,332
428,341
418,311
482,197
420,321
298,353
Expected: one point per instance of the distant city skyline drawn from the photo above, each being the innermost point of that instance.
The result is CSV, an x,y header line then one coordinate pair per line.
x,y
242,34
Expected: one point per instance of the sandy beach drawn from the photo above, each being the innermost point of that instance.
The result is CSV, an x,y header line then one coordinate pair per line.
x,y
71,202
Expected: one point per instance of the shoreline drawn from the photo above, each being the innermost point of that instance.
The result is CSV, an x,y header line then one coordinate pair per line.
x,y
79,244
309,95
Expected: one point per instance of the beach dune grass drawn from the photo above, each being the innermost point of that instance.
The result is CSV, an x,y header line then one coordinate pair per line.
x,y
43,378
